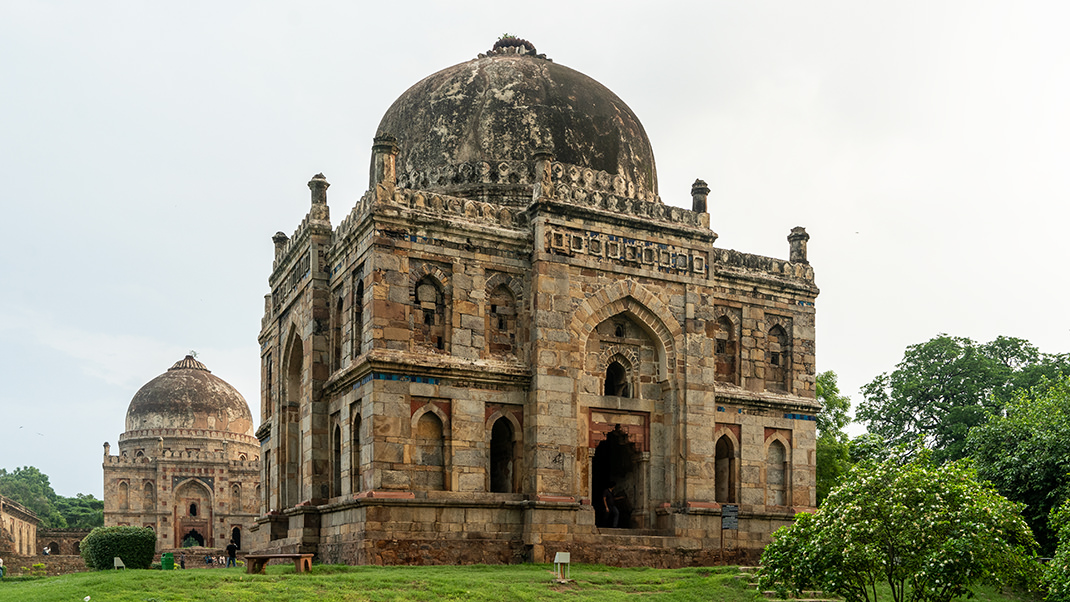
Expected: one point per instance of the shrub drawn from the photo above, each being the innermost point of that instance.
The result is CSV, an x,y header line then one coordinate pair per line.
x,y
930,532
134,545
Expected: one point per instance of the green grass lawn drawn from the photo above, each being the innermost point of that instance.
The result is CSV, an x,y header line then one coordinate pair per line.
x,y
329,583
337,583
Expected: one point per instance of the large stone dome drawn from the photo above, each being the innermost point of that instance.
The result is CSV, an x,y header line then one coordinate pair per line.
x,y
189,396
459,129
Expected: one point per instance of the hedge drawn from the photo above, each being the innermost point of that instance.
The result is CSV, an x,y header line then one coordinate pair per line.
x,y
135,545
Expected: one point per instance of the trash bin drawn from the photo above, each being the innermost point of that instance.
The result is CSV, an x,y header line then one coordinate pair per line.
x,y
167,562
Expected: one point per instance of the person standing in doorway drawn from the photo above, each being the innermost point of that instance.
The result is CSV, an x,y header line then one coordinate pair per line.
x,y
232,554
610,505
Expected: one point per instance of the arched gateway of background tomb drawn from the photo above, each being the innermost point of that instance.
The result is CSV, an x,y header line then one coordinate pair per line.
x,y
509,320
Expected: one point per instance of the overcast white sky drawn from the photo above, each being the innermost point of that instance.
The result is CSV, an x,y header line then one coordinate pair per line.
x,y
148,151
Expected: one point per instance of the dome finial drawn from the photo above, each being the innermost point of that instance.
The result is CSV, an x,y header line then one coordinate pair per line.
x,y
510,44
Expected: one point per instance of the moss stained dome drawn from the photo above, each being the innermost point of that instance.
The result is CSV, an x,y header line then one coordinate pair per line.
x,y
496,111
189,396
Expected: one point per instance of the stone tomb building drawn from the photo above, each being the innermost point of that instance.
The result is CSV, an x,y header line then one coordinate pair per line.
x,y
18,529
188,464
510,319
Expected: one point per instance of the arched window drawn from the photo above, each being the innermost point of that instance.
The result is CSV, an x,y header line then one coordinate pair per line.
x,y
429,456
776,475
501,322
269,383
336,461
193,509
288,462
726,350
336,333
294,370
124,496
235,497
617,380
355,480
429,328
149,495
725,471
778,369
358,319
502,457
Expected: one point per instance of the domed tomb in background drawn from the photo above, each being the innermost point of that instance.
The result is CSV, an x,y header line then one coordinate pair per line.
x,y
189,396
474,129
188,463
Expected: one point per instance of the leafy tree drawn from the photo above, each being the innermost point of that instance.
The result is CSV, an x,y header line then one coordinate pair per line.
x,y
832,447
31,488
1025,453
867,446
1057,575
930,531
82,511
946,386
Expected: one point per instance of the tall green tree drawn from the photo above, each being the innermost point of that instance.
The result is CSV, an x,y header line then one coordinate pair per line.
x,y
82,511
944,387
31,488
1025,452
833,460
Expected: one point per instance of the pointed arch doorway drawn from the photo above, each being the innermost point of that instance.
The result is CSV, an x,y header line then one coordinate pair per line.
x,y
617,461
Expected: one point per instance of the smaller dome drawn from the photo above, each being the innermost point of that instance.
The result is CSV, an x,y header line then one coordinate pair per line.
x,y
189,396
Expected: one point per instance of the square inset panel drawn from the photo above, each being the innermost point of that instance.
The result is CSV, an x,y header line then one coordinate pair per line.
x,y
698,263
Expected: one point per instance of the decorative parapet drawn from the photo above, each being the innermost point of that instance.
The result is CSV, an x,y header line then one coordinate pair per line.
x,y
300,236
727,261
17,510
188,433
206,457
571,185
432,203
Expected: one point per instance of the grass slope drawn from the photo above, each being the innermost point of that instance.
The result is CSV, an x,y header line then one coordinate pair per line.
x,y
363,583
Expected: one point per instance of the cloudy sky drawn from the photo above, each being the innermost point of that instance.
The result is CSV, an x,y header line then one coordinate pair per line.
x,y
148,151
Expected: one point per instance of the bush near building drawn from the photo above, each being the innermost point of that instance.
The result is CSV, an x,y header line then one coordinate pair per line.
x,y
931,532
134,545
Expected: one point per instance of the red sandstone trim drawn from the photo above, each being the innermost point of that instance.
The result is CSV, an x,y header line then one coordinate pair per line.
x,y
555,498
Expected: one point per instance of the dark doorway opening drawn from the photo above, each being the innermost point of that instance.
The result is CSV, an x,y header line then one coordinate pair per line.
x,y
53,548
501,457
725,471
617,380
235,536
192,535
615,461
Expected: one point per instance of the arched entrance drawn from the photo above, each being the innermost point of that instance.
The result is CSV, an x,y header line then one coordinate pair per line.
x,y
192,536
616,461
502,461
235,536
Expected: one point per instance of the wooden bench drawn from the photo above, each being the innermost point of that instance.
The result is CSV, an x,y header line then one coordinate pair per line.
x,y
255,563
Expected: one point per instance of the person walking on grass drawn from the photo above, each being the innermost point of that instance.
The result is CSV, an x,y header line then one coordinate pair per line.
x,y
232,555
